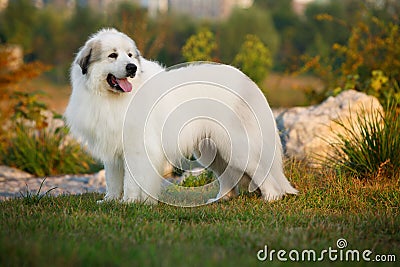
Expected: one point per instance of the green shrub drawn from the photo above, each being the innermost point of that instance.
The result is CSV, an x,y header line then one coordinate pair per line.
x,y
200,47
42,153
370,148
35,147
367,62
254,58
204,178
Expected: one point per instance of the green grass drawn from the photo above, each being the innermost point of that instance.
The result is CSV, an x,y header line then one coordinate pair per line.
x,y
370,147
75,231
29,197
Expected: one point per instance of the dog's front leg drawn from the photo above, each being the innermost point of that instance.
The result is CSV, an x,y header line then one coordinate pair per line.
x,y
114,179
142,183
132,191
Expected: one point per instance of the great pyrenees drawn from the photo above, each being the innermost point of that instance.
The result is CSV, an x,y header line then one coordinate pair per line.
x,y
105,75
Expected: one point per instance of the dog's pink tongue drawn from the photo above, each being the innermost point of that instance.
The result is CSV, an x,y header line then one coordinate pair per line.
x,y
125,85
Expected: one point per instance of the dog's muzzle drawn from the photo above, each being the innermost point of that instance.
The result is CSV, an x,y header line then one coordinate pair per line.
x,y
131,70
122,84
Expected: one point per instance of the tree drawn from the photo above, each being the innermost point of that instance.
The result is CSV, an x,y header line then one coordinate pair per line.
x,y
368,61
289,26
58,52
135,22
254,58
13,71
182,27
324,33
200,47
17,21
231,33
371,56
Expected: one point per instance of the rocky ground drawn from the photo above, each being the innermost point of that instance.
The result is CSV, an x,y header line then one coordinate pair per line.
x,y
14,182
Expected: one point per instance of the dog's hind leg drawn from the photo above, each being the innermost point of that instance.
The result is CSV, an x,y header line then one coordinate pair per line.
x,y
276,185
271,181
228,185
210,157
228,178
143,180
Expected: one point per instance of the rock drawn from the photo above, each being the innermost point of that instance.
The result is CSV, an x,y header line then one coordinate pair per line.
x,y
307,131
16,183
12,173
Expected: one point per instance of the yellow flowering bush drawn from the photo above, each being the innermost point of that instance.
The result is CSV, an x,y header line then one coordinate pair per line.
x,y
254,58
369,61
200,47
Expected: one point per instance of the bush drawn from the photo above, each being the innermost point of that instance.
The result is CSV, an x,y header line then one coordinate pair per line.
x,y
200,47
367,62
36,147
254,58
370,148
231,33
43,153
202,179
28,139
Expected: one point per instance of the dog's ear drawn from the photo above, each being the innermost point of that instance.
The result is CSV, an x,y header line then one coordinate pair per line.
x,y
89,54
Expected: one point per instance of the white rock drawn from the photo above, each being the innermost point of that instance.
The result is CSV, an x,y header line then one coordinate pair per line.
x,y
307,131
12,173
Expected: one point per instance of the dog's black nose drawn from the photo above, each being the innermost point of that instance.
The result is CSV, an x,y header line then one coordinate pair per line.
x,y
131,69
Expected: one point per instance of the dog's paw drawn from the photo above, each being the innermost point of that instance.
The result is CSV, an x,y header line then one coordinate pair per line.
x,y
272,198
102,201
147,201
132,199
109,198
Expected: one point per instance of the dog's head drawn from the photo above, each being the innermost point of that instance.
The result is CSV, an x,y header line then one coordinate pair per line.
x,y
110,61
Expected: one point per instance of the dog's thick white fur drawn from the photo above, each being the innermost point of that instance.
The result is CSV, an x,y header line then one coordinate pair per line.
x,y
106,72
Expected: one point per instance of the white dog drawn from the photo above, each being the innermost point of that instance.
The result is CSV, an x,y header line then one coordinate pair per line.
x,y
106,73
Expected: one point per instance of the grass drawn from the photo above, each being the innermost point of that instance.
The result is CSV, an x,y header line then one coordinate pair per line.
x,y
75,231
40,230
370,147
31,198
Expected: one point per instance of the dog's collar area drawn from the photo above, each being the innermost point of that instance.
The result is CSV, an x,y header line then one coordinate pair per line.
x,y
119,85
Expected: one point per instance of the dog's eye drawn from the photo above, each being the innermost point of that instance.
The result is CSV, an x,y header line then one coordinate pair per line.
x,y
129,54
113,55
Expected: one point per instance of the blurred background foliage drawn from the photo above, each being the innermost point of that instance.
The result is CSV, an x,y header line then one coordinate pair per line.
x,y
52,36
